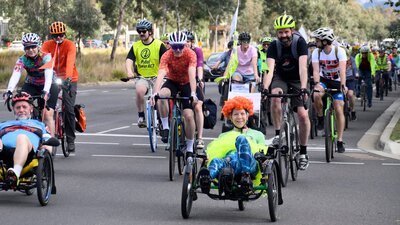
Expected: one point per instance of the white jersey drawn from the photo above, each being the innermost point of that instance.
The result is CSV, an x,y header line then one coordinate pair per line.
x,y
328,63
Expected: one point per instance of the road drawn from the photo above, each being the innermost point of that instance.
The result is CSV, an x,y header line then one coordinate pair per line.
x,y
114,178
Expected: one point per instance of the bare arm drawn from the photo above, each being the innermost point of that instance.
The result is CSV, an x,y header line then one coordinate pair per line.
x,y
160,77
303,71
129,65
268,77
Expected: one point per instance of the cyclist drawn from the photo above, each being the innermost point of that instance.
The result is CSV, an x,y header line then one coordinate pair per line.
x,y
64,53
224,58
329,64
198,106
288,73
144,57
351,74
235,148
262,55
164,39
38,81
20,138
384,66
179,65
375,51
366,65
247,60
395,61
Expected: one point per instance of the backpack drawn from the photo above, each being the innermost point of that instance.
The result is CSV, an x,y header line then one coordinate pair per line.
x,y
295,40
209,113
80,118
336,52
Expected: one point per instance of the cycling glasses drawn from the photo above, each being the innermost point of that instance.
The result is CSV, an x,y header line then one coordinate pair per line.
x,y
245,41
57,35
29,47
177,47
140,31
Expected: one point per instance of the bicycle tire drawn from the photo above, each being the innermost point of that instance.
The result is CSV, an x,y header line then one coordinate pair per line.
x,y
152,126
346,113
172,149
188,191
181,157
283,153
328,136
381,88
311,115
295,150
44,178
61,133
273,192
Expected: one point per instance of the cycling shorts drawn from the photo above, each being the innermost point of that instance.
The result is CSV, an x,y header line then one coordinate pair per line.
x,y
245,78
290,87
351,84
183,90
325,83
142,82
35,90
7,155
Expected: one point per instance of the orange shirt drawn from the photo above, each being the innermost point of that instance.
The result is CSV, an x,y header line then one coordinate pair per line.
x,y
64,55
178,67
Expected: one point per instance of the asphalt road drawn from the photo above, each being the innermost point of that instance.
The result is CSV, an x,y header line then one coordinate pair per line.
x,y
114,178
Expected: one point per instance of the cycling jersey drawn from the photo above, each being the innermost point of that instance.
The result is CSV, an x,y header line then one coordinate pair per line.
x,y
147,57
9,131
64,58
35,76
328,63
382,63
369,60
178,67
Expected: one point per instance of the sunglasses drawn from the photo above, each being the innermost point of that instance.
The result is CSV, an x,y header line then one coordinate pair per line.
x,y
57,35
177,47
141,31
29,47
265,44
245,41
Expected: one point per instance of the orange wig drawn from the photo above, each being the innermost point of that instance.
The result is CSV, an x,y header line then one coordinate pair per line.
x,y
237,102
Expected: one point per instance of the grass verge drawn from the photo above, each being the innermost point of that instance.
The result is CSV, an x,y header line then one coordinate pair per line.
x,y
395,136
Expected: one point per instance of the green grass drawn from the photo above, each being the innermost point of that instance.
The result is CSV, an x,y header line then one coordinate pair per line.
x,y
395,136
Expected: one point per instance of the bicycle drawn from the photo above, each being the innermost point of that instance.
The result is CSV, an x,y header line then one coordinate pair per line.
x,y
152,118
330,127
363,94
311,113
396,77
382,85
176,138
347,112
289,147
60,115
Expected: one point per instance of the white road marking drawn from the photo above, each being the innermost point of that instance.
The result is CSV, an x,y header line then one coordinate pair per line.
x,y
158,145
102,134
83,91
132,156
118,128
390,164
337,163
105,91
97,143
314,149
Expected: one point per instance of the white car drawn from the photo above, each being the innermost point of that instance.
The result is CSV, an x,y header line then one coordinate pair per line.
x,y
16,46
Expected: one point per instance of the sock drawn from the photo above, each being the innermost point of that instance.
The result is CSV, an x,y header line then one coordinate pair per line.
x,y
189,145
141,114
165,123
17,169
303,150
277,132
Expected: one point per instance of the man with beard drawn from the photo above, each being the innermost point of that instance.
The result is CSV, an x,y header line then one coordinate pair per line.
x,y
143,60
288,74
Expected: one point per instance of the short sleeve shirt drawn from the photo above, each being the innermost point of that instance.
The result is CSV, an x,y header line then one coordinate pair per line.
x,y
328,63
178,67
244,58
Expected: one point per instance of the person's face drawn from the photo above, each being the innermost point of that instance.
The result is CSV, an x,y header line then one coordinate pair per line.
x,y
166,43
265,45
144,34
22,110
318,42
394,50
239,117
364,54
189,43
59,38
381,53
31,51
285,35
244,44
177,49
311,49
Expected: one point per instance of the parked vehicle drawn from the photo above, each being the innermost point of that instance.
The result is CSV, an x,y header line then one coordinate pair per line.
x,y
210,62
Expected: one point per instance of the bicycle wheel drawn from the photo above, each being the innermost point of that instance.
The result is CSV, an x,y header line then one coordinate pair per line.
x,y
346,111
152,126
188,191
283,153
328,135
172,150
295,150
44,181
272,191
381,88
311,115
61,134
180,156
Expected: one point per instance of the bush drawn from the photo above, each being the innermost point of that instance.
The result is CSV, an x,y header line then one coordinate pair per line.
x,y
118,74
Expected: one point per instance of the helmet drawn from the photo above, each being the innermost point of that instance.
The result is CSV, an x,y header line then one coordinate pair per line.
x,y
164,37
189,35
364,49
230,44
375,49
177,37
324,33
31,39
244,36
58,28
22,96
284,21
266,39
238,102
144,24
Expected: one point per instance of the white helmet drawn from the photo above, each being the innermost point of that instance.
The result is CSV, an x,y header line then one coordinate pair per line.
x,y
177,37
364,49
31,39
324,33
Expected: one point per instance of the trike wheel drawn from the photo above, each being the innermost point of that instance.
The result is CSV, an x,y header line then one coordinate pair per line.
x,y
44,178
272,191
283,153
241,205
187,194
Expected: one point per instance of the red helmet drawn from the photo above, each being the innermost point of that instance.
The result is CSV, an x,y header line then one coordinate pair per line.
x,y
23,96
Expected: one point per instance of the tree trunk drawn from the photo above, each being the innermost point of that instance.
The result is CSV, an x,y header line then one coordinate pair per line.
x,y
178,20
116,38
164,28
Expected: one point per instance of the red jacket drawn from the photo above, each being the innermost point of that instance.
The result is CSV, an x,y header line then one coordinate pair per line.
x,y
64,55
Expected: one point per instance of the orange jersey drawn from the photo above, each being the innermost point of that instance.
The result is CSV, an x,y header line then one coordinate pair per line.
x,y
64,56
178,67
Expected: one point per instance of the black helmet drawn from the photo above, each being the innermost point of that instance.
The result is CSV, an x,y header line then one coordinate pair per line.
x,y
189,35
244,36
144,24
230,44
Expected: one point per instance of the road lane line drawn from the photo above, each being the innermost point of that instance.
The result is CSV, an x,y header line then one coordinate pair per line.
x,y
313,149
160,145
96,143
132,156
337,163
390,164
101,134
114,129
